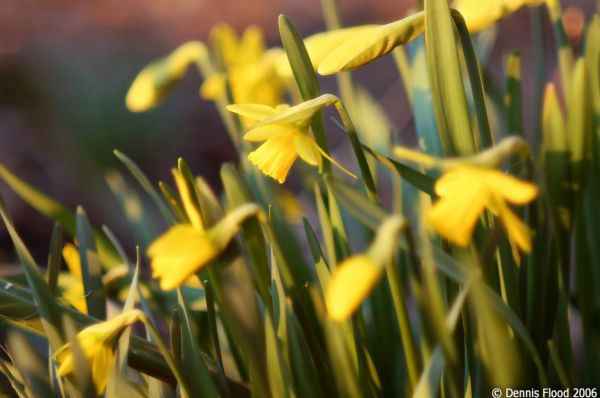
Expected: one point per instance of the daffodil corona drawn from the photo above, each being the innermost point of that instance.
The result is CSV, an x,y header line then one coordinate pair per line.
x,y
284,130
97,344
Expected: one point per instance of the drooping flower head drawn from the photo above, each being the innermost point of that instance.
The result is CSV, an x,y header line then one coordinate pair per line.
x,y
468,187
97,343
284,130
185,248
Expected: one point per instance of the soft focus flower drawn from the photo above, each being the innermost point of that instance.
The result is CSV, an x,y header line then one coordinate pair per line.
x,y
368,44
465,191
355,277
481,14
97,343
185,248
70,282
285,132
351,283
155,81
249,67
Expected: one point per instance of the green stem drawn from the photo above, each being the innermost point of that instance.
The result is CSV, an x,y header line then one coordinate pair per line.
x,y
365,171
183,385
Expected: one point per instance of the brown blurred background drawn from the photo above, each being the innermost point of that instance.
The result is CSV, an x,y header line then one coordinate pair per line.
x,y
65,67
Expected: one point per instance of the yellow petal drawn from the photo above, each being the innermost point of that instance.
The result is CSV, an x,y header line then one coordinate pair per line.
x,y
455,214
71,256
213,87
179,253
252,45
306,149
301,113
263,133
320,45
275,156
371,44
510,188
350,284
252,111
225,40
188,203
415,156
517,231
102,365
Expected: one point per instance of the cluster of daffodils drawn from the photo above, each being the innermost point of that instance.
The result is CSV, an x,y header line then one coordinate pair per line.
x,y
472,240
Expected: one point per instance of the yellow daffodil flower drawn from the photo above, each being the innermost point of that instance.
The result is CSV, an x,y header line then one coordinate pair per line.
x,y
469,186
481,14
285,132
185,248
355,277
368,44
97,343
249,67
155,81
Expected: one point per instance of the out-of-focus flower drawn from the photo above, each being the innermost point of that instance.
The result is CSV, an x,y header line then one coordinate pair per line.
x,y
97,345
249,67
467,188
285,132
481,14
355,277
369,43
185,248
155,81
70,283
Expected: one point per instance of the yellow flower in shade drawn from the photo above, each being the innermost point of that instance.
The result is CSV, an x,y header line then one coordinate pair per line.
x,y
481,14
157,79
465,191
185,248
249,67
368,44
355,277
97,344
284,131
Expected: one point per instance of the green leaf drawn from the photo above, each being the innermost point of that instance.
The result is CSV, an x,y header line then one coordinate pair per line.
x,y
54,257
55,211
212,322
280,379
445,78
91,273
42,295
421,181
27,361
144,182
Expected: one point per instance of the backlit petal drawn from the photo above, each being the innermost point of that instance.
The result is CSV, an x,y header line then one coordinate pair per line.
x,y
350,284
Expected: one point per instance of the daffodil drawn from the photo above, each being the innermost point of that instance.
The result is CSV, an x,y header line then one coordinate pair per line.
x,y
468,187
157,79
284,130
248,66
370,43
185,248
481,14
355,277
97,343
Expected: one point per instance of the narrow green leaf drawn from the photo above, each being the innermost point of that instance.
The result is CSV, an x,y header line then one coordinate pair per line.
x,y
513,96
55,211
212,322
280,379
34,371
445,77
42,295
54,257
144,182
17,387
91,273
82,374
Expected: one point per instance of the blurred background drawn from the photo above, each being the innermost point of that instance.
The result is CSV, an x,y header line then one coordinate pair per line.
x,y
66,65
